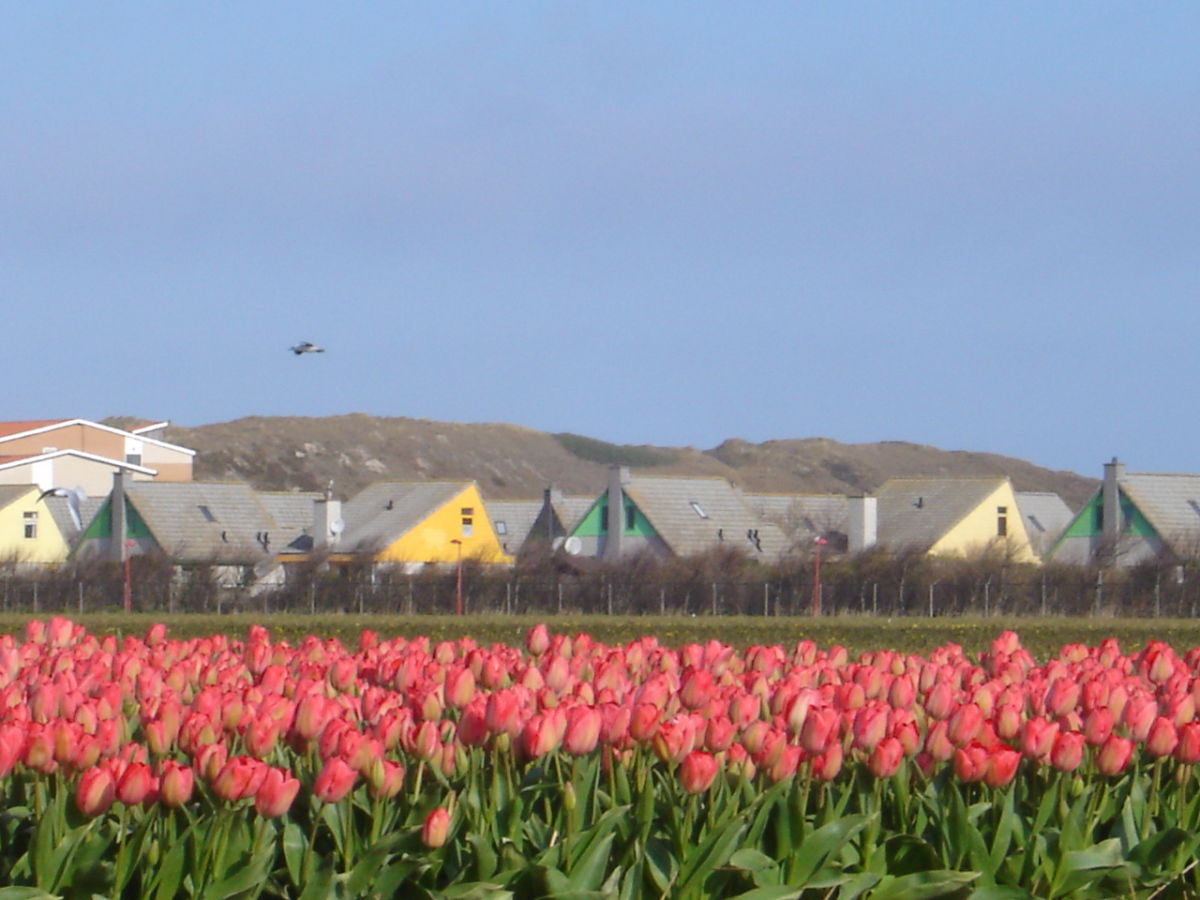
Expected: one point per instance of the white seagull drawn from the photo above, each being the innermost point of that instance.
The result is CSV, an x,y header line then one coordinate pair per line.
x,y
73,497
306,347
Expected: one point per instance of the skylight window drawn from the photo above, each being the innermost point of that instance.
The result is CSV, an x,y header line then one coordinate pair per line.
x,y
698,509
1036,524
501,527
207,513
1195,506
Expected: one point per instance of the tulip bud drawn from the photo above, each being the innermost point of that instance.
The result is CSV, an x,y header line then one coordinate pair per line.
x,y
436,828
96,792
1114,755
697,771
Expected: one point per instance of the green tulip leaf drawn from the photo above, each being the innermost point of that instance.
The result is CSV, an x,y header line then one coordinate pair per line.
x,y
771,892
922,885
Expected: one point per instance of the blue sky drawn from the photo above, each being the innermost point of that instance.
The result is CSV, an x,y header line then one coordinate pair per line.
x,y
971,225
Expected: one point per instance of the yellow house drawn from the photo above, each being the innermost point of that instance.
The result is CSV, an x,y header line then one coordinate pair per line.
x,y
417,523
29,531
953,517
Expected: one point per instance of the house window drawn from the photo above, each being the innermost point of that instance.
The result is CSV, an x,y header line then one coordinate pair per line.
x,y
604,518
31,525
468,521
1002,521
630,516
134,459
207,513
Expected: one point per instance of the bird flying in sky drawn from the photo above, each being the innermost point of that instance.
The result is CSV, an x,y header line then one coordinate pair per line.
x,y
73,497
306,347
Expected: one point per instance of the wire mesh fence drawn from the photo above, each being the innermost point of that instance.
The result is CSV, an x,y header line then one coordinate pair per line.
x,y
928,589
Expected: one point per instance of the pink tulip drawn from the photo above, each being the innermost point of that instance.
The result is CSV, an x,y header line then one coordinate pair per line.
x,y
1097,726
276,793
95,792
1037,738
436,829
537,640
583,730
1187,751
137,785
971,762
1162,737
503,713
820,729
1002,766
176,783
965,724
335,781
1066,754
871,723
1114,755
698,771
885,758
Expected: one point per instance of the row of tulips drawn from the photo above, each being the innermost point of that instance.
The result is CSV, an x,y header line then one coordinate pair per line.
x,y
212,768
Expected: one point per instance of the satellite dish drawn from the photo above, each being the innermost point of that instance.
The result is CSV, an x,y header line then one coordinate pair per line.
x,y
337,526
573,545
557,543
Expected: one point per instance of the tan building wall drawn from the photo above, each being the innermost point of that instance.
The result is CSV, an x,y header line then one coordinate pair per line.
x,y
68,437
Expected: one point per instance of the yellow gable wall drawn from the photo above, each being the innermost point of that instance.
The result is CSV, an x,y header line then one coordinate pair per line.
x,y
976,532
49,545
429,541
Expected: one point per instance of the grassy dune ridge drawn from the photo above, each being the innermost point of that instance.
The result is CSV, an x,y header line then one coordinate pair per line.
x,y
1042,636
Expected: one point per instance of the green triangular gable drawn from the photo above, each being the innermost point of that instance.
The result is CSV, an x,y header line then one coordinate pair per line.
x,y
595,522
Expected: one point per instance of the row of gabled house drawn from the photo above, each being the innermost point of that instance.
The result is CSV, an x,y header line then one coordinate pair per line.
x,y
77,490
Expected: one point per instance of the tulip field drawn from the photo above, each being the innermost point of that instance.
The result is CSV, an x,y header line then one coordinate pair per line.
x,y
562,766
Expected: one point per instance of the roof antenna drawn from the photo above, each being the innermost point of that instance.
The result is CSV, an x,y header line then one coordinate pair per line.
x,y
920,504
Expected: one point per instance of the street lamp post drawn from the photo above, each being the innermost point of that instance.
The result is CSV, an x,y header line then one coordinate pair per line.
x,y
816,598
458,595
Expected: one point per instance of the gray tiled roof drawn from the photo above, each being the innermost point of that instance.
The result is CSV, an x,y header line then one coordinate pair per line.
x,y
1045,515
1171,503
198,521
371,525
516,518
915,513
807,515
693,515
292,512
62,515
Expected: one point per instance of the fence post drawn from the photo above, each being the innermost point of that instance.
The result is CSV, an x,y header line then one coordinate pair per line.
x,y
80,586
766,599
1043,593
714,598
931,585
610,612
662,600
312,598
560,598
1099,590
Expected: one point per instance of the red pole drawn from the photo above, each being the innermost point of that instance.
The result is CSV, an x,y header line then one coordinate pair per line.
x,y
816,598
